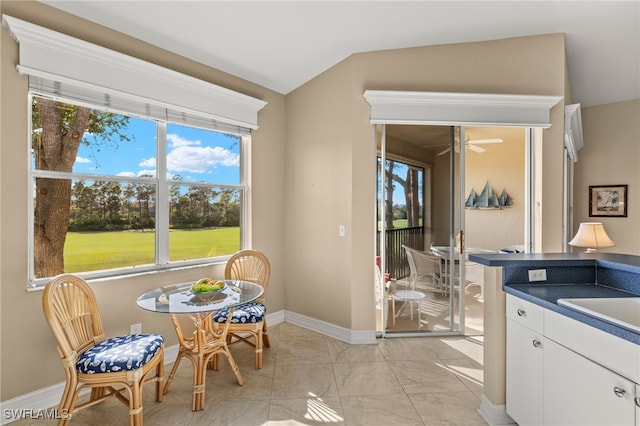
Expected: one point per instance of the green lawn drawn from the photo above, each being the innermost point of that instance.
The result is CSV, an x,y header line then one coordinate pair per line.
x,y
92,251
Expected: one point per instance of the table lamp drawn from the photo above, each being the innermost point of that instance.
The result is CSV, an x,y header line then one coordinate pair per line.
x,y
591,235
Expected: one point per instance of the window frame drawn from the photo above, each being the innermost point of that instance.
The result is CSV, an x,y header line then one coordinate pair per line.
x,y
162,260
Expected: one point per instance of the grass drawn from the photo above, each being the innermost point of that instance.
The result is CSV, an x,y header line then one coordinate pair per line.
x,y
93,251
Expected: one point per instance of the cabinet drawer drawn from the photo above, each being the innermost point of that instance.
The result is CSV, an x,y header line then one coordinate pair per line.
x,y
617,354
525,313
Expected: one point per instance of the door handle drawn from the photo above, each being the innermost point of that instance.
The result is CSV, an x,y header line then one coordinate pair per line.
x,y
620,392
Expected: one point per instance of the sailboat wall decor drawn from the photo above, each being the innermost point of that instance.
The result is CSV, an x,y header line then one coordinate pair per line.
x,y
488,199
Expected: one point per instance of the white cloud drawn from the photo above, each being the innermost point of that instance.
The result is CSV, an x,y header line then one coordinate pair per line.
x,y
191,156
126,174
149,162
82,160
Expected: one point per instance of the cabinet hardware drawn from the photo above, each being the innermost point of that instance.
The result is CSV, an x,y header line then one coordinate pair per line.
x,y
637,400
619,392
521,312
536,343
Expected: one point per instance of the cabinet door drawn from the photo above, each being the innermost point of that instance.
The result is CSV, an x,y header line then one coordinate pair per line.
x,y
524,374
580,392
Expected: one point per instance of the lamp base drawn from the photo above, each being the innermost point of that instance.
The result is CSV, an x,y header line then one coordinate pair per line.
x,y
591,250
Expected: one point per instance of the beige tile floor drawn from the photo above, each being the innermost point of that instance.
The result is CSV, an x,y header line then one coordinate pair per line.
x,y
311,379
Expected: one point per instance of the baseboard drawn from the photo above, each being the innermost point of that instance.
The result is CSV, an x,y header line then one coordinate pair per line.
x,y
494,414
41,404
38,404
355,337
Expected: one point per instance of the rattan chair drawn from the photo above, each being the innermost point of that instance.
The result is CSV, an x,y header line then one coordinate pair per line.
x,y
248,322
114,367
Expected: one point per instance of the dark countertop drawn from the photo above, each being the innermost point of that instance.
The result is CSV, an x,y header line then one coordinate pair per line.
x,y
626,262
546,294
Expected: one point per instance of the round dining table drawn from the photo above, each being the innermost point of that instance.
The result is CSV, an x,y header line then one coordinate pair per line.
x,y
206,342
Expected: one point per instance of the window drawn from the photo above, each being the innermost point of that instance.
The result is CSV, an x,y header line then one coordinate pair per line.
x,y
87,182
404,203
115,193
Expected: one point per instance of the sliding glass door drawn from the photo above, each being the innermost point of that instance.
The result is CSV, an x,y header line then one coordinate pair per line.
x,y
419,218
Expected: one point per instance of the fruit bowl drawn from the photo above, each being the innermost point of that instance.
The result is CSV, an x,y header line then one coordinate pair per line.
x,y
205,286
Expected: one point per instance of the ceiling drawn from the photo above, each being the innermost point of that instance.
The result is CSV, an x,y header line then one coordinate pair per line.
x,y
283,44
436,138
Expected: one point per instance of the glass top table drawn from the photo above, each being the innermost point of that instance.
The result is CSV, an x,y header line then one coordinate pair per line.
x,y
177,299
208,340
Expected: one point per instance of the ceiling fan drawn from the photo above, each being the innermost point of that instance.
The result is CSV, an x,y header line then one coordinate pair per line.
x,y
471,144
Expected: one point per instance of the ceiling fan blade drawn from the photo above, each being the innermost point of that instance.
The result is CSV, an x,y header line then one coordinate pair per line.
x,y
476,148
444,152
479,141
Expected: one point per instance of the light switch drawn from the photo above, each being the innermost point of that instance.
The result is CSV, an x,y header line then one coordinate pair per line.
x,y
342,230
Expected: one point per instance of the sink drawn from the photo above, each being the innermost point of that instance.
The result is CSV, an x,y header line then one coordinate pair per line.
x,y
621,311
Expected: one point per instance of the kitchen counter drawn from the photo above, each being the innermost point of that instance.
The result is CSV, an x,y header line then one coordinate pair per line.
x,y
570,275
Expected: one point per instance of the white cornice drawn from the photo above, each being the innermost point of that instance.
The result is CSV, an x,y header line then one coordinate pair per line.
x,y
447,108
46,53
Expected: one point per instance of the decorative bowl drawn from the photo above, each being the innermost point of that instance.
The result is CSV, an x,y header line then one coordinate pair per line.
x,y
205,286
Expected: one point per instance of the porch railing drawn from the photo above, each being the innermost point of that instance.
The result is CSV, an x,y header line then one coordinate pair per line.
x,y
396,258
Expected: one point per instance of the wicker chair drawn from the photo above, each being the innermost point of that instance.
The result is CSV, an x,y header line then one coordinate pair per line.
x,y
248,323
115,367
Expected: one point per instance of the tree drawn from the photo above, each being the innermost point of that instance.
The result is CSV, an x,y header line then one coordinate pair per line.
x,y
410,187
59,129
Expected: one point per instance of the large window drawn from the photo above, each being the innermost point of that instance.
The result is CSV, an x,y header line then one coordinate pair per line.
x,y
116,194
135,167
401,207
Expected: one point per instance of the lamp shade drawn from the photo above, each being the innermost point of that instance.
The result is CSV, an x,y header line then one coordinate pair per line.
x,y
591,235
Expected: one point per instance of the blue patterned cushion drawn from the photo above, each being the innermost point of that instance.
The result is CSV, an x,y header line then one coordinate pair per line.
x,y
244,314
120,353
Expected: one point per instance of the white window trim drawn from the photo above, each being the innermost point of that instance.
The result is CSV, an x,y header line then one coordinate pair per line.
x,y
55,56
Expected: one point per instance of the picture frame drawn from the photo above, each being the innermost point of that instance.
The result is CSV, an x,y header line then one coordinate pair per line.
x,y
608,201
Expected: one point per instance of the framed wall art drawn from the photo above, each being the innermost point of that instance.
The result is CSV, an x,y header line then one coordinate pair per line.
x,y
608,201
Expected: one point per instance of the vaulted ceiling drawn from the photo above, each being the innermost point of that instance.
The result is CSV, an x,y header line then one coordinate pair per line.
x,y
283,44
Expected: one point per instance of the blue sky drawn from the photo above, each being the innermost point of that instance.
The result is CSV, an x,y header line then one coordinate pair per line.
x,y
195,155
400,169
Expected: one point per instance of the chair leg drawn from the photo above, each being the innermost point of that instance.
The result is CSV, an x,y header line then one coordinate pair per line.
x,y
135,403
265,335
259,349
66,405
160,380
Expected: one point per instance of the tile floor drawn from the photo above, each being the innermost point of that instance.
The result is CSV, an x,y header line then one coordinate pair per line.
x,y
311,379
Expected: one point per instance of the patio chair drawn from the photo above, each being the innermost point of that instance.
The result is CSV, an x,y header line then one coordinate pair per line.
x,y
248,322
115,367
410,295
423,265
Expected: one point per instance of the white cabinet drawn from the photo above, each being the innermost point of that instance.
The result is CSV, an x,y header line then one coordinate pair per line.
x,y
524,362
563,372
580,392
